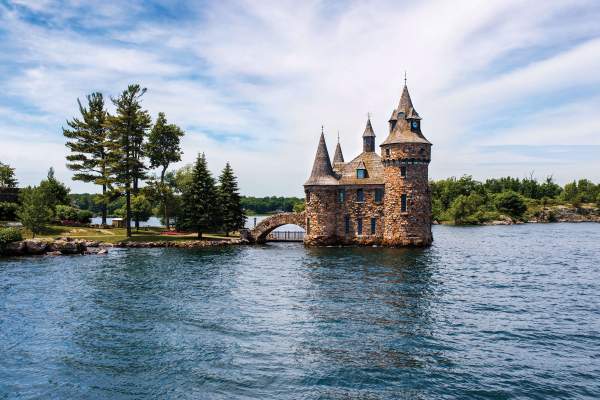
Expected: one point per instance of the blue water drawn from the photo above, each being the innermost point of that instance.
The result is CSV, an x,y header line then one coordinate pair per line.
x,y
508,312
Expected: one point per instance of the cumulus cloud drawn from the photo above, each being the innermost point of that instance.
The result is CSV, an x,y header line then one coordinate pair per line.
x,y
252,82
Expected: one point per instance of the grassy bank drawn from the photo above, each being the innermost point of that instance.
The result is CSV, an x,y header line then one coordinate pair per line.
x,y
114,235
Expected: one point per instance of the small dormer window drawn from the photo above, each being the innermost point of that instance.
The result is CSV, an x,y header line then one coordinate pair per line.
x,y
361,173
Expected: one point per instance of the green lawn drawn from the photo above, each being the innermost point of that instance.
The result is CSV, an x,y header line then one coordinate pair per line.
x,y
118,234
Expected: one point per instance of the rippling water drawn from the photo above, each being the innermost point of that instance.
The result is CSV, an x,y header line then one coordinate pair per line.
x,y
488,312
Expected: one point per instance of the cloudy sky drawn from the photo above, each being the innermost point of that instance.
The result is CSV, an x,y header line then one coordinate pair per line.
x,y
504,87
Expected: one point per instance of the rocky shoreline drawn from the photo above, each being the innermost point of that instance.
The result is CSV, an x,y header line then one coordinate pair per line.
x,y
72,246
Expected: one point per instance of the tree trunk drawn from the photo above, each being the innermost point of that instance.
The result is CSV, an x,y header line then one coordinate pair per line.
x,y
164,197
128,210
104,204
199,234
135,192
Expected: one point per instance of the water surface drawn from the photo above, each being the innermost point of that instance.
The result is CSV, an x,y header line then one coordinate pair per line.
x,y
486,313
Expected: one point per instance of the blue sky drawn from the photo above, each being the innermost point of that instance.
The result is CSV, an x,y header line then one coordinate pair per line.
x,y
504,87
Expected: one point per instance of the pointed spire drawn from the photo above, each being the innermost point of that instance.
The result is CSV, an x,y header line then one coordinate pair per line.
x,y
338,157
322,172
369,128
405,101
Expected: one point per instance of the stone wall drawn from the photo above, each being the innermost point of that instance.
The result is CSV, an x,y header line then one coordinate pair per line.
x,y
321,215
412,227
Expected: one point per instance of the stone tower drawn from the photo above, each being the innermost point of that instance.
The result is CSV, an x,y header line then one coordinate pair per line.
x,y
320,190
406,154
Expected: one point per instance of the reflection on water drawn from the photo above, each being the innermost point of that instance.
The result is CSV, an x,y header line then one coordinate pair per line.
x,y
495,312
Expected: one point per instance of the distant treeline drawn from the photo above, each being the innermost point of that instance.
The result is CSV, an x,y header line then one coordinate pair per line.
x,y
252,205
467,201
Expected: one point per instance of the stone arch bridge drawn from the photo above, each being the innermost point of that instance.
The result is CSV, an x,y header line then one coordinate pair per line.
x,y
261,231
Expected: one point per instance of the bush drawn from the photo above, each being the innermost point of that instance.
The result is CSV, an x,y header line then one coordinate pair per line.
x,y
66,213
598,201
510,203
467,210
9,235
8,211
84,216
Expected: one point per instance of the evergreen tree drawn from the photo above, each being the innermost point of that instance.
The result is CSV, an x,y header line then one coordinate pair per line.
x,y
7,176
162,150
89,147
54,191
199,210
35,212
232,214
126,132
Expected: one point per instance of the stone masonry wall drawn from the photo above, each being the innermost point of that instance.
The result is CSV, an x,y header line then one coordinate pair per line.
x,y
412,227
320,212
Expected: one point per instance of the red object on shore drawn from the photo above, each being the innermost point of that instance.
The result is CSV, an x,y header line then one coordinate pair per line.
x,y
172,233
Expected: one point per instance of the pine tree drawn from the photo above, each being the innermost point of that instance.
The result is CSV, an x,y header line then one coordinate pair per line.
x,y
162,150
232,214
89,147
35,213
199,210
126,133
54,191
7,176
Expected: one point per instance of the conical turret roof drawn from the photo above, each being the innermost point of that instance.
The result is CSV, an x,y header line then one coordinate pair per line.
x,y
405,101
338,157
322,172
368,129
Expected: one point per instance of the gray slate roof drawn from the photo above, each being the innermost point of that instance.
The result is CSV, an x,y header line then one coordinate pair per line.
x,y
322,172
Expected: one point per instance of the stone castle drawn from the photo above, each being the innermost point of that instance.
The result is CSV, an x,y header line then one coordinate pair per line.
x,y
373,199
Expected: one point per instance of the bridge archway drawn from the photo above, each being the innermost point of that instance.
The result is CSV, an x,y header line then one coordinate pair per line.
x,y
261,231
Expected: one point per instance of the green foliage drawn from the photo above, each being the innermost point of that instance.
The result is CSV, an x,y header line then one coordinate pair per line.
x,y
141,208
598,200
232,213
7,176
35,212
467,210
55,192
199,211
8,211
89,146
265,205
66,213
84,216
9,235
126,134
300,207
582,191
163,149
510,203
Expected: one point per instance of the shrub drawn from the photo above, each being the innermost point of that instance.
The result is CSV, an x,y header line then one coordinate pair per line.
x,y
8,211
66,213
9,235
34,213
510,203
467,210
598,201
84,216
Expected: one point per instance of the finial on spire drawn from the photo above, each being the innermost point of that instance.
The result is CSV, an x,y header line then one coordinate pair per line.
x,y
369,116
338,136
404,77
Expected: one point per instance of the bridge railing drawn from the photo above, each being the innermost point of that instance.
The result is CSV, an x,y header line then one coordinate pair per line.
x,y
285,236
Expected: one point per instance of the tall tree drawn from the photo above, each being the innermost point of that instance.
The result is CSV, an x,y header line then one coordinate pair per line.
x,y
55,192
7,176
126,132
89,147
232,213
35,212
163,149
199,210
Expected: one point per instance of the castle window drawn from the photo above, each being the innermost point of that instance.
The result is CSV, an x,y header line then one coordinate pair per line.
x,y
359,226
360,195
347,224
373,225
307,226
403,203
341,195
378,195
403,172
361,173
387,152
307,196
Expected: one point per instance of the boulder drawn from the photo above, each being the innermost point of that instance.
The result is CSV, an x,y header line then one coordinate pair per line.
x,y
54,253
68,246
15,249
35,246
